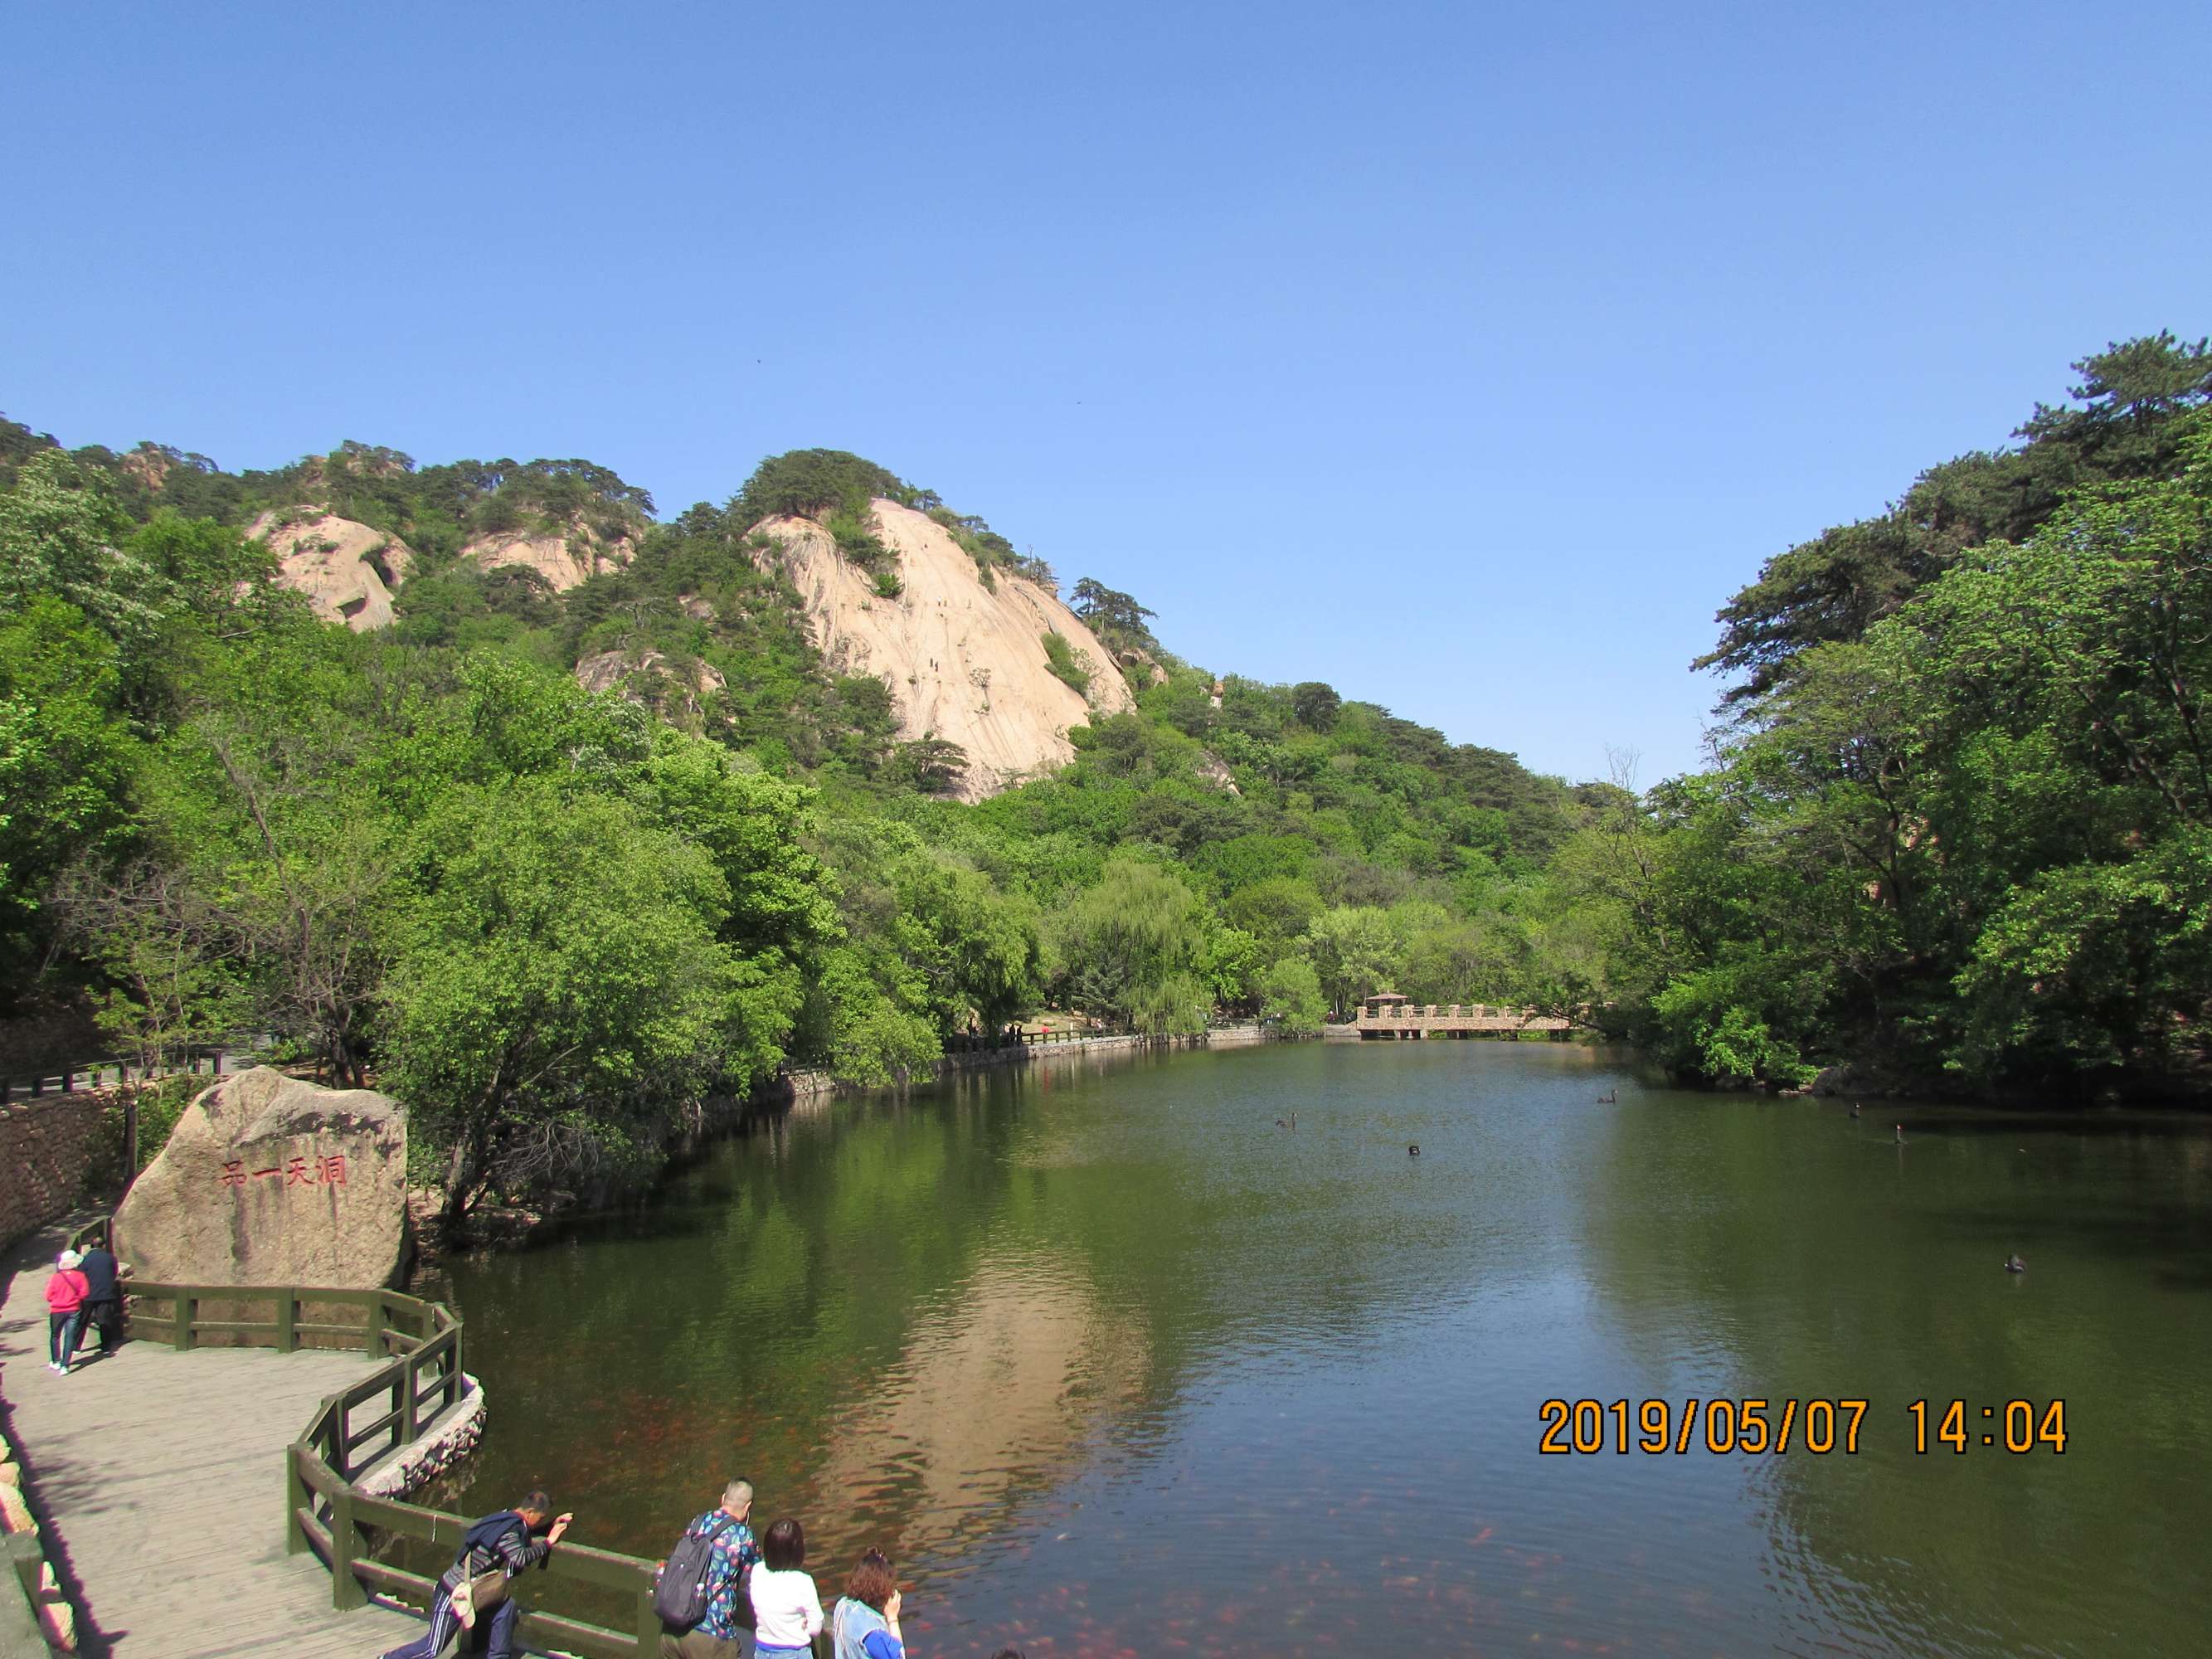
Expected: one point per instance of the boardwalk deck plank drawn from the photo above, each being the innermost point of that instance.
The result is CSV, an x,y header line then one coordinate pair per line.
x,y
161,1475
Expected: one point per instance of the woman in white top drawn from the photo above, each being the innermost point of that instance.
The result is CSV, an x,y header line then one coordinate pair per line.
x,y
786,1612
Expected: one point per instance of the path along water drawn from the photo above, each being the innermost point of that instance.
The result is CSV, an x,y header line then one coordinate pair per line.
x,y
1111,1364
161,1477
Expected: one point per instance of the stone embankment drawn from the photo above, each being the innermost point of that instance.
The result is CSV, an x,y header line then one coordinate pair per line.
x,y
441,1450
810,1084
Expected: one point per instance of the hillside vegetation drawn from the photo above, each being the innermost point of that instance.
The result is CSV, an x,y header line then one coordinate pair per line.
x,y
1961,827
552,918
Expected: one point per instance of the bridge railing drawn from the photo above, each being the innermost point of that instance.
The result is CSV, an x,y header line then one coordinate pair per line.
x,y
325,1512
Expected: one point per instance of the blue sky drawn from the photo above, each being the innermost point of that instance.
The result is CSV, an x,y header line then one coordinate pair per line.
x,y
1466,357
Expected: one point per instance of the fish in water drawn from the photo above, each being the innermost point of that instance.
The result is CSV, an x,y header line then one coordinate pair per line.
x,y
1414,1151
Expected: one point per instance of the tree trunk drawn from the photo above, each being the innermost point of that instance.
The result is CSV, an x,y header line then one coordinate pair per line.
x,y
464,1180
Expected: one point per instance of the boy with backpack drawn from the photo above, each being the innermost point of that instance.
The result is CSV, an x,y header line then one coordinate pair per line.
x,y
473,1590
705,1613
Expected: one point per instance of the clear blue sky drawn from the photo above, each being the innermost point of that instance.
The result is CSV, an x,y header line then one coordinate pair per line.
x,y
1466,357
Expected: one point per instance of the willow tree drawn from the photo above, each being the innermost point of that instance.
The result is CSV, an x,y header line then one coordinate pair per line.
x,y
1133,950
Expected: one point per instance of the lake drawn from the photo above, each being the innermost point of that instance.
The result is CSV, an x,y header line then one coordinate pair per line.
x,y
1112,1365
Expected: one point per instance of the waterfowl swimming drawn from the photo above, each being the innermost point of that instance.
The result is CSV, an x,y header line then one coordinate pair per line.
x,y
1900,1134
2015,1264
1414,1151
1609,1098
1855,1109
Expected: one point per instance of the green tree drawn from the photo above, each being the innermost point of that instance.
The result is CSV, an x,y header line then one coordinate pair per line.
x,y
66,755
1133,950
560,981
1356,951
808,483
63,535
1113,614
1315,704
1290,996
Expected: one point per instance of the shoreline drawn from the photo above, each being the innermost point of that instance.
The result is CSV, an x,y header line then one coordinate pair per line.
x,y
500,1229
794,1086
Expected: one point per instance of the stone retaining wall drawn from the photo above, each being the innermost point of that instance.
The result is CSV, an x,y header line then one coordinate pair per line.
x,y
806,1084
45,1149
435,1454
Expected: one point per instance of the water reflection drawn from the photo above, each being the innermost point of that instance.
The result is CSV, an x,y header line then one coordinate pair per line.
x,y
999,1392
1113,1363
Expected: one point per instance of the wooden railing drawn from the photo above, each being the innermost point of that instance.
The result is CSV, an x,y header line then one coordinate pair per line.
x,y
324,1510
86,1073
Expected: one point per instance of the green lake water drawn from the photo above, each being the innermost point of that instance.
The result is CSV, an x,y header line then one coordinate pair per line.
x,y
1111,1364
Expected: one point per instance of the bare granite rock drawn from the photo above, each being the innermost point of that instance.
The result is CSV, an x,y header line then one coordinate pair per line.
x,y
565,558
675,690
964,662
346,569
268,1180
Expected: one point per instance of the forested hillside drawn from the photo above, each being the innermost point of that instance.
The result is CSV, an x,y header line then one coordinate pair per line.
x,y
551,915
591,829
1960,828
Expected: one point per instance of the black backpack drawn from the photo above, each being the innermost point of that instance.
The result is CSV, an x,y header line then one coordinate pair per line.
x,y
680,1597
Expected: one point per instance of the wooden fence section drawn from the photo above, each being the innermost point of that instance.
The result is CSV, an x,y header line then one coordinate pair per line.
x,y
114,1071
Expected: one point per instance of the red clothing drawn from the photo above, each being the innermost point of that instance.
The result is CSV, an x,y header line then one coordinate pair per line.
x,y
65,1290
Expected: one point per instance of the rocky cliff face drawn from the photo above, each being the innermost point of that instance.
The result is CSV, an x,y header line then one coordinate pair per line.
x,y
676,691
565,559
346,569
965,663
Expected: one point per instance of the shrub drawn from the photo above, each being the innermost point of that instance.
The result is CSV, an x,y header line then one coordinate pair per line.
x,y
1068,666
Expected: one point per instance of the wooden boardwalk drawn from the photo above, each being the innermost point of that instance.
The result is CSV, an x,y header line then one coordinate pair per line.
x,y
160,1479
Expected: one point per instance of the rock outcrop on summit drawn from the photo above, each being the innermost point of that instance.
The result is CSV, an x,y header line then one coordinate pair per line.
x,y
966,664
347,570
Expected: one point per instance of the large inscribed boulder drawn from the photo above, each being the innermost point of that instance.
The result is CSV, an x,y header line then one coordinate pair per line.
x,y
267,1180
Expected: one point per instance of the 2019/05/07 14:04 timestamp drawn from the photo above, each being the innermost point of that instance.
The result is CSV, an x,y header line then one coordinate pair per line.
x,y
1781,1426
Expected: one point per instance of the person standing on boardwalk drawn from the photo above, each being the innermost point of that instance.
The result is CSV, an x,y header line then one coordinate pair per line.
x,y
505,1543
65,1293
103,1301
867,1623
786,1611
724,1630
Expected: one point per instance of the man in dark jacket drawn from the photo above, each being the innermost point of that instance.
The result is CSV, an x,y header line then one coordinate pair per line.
x,y
103,1299
507,1541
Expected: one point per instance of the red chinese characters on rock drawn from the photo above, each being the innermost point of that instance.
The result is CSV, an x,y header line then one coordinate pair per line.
x,y
318,1171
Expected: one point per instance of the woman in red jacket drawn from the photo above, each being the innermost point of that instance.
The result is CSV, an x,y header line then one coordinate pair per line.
x,y
65,1294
